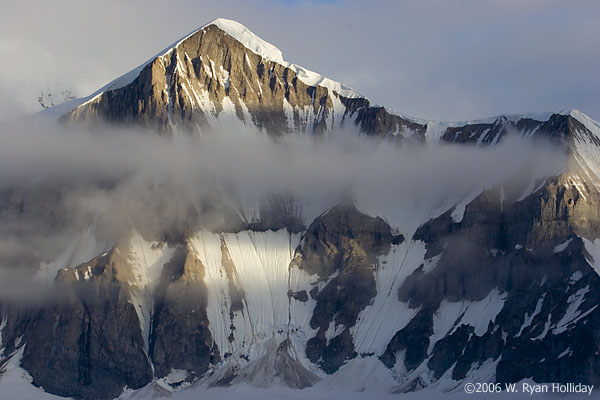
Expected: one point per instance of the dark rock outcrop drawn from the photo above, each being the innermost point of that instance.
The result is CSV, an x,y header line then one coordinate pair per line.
x,y
510,246
89,343
180,337
341,247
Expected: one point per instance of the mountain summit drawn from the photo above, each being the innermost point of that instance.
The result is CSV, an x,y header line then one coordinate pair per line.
x,y
224,75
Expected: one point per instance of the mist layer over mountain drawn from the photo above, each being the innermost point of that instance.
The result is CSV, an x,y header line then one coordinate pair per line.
x,y
57,181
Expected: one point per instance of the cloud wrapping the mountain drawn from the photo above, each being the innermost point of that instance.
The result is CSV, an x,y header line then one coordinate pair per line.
x,y
55,182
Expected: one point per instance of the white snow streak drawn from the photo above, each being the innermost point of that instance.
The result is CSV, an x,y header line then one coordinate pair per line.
x,y
561,247
146,260
379,321
261,263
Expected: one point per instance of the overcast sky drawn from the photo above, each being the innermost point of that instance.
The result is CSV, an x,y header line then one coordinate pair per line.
x,y
435,59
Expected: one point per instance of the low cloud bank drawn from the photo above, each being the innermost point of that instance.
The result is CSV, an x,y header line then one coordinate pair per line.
x,y
56,182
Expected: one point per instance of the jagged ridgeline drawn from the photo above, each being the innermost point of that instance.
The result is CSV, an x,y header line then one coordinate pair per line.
x,y
500,284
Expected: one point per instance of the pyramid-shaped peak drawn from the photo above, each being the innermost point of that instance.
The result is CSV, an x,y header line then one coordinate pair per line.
x,y
270,52
250,40
237,32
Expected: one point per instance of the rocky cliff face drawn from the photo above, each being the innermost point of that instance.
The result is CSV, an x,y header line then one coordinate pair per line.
x,y
224,77
525,263
526,259
341,247
503,284
89,345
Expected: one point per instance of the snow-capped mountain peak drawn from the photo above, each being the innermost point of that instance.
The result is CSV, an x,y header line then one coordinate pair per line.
x,y
240,33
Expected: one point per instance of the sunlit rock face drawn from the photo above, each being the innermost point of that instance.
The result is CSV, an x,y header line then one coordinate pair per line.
x,y
500,284
222,76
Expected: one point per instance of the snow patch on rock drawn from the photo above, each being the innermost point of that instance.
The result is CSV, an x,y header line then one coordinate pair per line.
x,y
561,247
478,314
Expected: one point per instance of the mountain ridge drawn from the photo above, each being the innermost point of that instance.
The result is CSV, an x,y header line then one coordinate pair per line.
x,y
370,119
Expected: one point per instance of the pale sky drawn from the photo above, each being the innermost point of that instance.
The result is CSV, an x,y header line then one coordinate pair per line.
x,y
436,59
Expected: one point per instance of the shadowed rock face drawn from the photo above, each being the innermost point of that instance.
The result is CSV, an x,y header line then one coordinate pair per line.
x,y
558,128
341,247
529,250
508,246
180,337
376,120
89,344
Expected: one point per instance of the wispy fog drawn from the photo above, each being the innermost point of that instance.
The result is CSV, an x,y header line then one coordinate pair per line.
x,y
56,182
